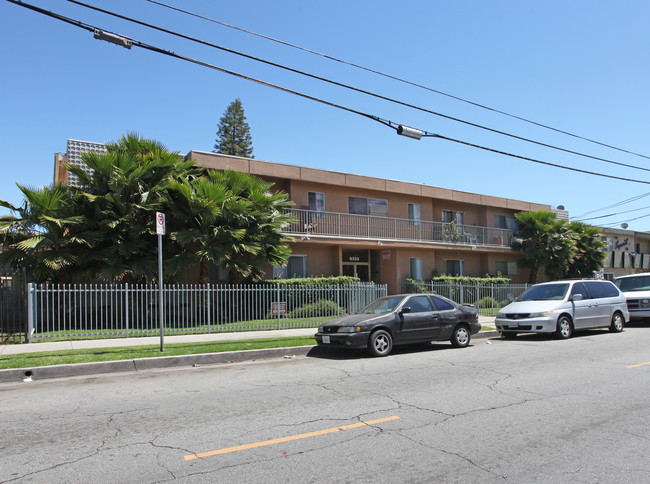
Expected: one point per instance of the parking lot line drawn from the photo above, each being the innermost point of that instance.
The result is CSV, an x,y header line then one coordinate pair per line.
x,y
287,439
640,364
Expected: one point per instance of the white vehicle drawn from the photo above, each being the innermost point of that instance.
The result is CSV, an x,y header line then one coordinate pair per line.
x,y
636,288
562,307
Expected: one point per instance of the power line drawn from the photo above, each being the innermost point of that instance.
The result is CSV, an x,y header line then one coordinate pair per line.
x,y
617,204
346,86
609,214
106,35
626,221
405,81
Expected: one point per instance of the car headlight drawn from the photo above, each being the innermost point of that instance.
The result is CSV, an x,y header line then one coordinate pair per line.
x,y
501,315
545,314
349,329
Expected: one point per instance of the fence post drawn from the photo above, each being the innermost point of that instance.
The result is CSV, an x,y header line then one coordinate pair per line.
x,y
31,301
277,307
126,307
492,299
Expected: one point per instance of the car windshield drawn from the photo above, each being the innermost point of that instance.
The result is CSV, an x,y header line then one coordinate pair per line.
x,y
382,305
545,292
640,283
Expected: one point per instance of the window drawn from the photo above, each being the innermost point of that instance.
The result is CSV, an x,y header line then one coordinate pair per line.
x,y
441,304
296,267
505,222
414,213
218,274
506,268
455,267
316,203
578,288
599,289
368,206
449,216
610,243
420,304
416,268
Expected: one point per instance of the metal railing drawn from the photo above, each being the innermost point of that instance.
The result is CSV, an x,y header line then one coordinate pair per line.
x,y
93,311
344,225
488,298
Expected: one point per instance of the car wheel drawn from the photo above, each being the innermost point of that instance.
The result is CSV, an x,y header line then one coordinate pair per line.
x,y
461,336
509,335
381,343
617,323
564,327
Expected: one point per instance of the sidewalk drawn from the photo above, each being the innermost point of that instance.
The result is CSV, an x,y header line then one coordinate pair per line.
x,y
155,340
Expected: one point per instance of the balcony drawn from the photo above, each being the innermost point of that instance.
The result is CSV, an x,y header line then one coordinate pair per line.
x,y
377,229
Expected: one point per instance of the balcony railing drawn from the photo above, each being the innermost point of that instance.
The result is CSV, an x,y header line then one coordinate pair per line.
x,y
349,226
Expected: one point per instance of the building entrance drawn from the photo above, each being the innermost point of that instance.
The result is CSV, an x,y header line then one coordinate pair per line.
x,y
356,263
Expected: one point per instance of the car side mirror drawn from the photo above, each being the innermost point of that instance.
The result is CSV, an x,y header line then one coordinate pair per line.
x,y
405,309
577,297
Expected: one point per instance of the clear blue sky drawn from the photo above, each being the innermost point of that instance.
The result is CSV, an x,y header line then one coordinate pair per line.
x,y
579,66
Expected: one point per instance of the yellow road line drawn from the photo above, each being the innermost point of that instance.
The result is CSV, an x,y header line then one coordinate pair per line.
x,y
287,439
640,364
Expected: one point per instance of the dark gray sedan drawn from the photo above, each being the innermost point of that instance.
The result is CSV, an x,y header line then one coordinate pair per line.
x,y
401,319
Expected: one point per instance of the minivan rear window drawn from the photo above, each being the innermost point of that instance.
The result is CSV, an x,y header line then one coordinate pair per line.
x,y
598,289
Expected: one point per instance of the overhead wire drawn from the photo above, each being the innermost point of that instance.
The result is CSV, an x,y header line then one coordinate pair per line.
x,y
346,86
582,219
92,28
617,204
405,81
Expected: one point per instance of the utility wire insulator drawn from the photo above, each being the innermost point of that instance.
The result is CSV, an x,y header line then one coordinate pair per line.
x,y
410,132
113,38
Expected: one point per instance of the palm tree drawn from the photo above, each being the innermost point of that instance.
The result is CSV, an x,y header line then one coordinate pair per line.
x,y
589,254
545,242
47,236
232,220
126,187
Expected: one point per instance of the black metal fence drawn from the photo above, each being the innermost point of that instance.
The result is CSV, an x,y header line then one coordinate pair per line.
x,y
13,308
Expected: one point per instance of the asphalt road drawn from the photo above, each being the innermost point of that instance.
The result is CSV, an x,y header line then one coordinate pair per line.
x,y
529,410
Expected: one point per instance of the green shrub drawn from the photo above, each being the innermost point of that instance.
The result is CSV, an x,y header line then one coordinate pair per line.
x,y
473,281
486,303
323,307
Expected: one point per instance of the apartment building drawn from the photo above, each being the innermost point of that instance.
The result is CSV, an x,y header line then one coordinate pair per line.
x,y
628,252
386,230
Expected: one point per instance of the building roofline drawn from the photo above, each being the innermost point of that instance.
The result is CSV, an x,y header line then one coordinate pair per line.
x,y
318,175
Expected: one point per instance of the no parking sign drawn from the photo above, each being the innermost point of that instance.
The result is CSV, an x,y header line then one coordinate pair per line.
x,y
160,223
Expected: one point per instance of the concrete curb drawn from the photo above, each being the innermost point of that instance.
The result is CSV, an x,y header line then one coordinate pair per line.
x,y
141,364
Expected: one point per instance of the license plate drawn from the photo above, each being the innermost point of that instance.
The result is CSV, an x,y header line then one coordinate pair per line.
x,y
513,324
326,339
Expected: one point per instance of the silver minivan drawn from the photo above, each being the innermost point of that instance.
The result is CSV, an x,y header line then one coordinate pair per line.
x,y
562,307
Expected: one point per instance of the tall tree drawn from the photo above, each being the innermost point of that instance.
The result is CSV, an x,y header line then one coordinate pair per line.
x,y
233,135
545,242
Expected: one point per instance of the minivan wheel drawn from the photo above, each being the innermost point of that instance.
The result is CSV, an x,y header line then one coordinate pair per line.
x,y
461,336
617,323
564,327
381,343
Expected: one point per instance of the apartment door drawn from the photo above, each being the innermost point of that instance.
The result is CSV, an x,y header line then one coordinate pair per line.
x,y
356,263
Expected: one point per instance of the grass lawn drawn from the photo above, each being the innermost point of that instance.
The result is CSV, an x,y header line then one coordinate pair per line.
x,y
64,357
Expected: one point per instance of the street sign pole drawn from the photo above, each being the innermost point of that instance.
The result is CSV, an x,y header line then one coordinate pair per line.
x,y
160,230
